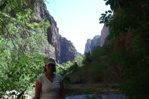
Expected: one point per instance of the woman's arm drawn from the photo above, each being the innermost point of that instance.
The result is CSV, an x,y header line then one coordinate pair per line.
x,y
62,93
37,90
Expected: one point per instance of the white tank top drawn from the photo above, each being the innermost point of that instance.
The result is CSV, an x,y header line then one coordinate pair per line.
x,y
50,90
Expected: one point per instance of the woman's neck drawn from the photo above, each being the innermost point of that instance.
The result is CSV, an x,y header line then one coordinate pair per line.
x,y
49,74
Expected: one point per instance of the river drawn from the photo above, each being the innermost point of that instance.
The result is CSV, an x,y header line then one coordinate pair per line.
x,y
100,96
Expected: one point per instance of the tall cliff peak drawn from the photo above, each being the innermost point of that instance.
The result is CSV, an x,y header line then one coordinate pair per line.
x,y
87,46
59,47
104,33
98,40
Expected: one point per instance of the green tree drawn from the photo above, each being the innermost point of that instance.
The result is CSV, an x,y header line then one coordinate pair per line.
x,y
21,39
129,31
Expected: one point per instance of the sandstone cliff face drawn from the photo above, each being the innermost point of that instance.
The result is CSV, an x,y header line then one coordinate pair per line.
x,y
95,41
87,46
68,52
104,34
98,40
91,43
59,48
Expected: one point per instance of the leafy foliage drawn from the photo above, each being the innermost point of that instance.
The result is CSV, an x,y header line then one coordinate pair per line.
x,y
106,17
130,17
21,39
97,66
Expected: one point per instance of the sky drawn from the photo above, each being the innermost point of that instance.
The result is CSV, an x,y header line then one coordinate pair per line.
x,y
77,20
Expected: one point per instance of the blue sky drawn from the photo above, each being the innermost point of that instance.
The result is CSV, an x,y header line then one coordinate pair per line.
x,y
77,20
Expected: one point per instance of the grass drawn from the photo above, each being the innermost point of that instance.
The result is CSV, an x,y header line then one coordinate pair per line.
x,y
90,88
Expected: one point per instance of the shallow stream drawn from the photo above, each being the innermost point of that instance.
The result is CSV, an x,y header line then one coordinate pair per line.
x,y
100,96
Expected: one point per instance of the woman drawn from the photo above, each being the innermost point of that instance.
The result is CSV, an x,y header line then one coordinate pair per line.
x,y
49,85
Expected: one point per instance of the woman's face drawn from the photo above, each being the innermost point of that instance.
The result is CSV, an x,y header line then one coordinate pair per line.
x,y
50,68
